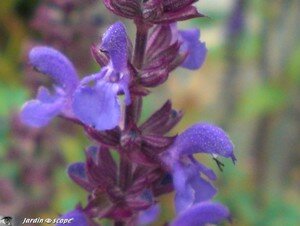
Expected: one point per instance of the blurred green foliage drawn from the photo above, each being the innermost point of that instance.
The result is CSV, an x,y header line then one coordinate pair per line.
x,y
262,99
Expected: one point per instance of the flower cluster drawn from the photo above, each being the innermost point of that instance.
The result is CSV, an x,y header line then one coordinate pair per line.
x,y
134,162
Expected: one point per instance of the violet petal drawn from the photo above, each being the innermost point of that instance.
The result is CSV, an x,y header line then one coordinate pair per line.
x,y
37,113
204,138
190,187
97,106
114,41
206,171
196,49
201,214
78,218
149,215
51,62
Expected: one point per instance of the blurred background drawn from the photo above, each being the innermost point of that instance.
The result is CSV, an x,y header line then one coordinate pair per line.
x,y
249,85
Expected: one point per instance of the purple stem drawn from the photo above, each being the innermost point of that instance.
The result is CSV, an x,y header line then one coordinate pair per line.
x,y
132,111
138,59
140,44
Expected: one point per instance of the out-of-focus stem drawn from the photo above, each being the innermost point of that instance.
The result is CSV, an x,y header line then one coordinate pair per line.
x,y
235,28
260,154
259,148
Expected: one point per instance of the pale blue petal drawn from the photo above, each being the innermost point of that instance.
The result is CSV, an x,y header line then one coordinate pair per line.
x,y
204,138
45,96
53,63
78,218
37,113
202,214
190,187
149,215
194,47
114,42
209,173
97,106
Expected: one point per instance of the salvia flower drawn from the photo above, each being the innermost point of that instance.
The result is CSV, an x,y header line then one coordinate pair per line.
x,y
189,185
47,105
202,214
149,215
191,45
98,105
150,163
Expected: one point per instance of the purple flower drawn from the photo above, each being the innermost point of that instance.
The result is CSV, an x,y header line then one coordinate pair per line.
x,y
133,163
191,45
204,138
74,218
98,105
190,187
149,215
40,111
202,214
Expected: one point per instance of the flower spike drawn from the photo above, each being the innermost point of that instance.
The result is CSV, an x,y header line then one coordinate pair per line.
x,y
133,162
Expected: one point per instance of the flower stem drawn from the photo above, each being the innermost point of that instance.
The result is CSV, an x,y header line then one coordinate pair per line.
x,y
140,44
131,113
125,174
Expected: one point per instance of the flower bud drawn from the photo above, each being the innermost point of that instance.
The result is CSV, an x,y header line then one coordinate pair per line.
x,y
154,11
